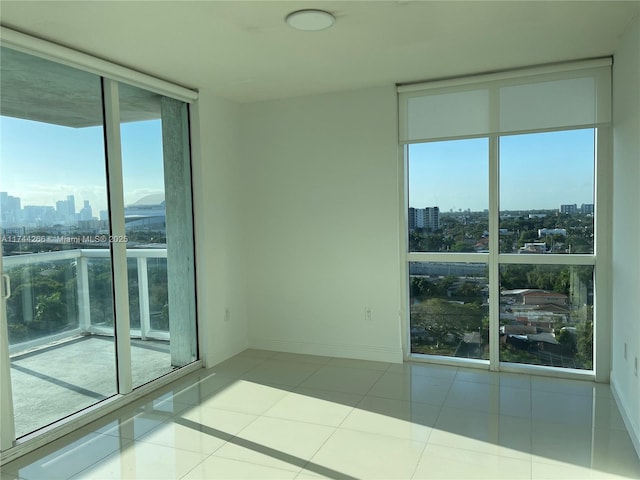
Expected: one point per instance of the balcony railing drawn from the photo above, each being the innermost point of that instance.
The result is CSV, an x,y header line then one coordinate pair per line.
x,y
84,301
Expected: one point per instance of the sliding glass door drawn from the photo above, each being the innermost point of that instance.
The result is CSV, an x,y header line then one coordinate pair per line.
x,y
53,187
88,231
157,199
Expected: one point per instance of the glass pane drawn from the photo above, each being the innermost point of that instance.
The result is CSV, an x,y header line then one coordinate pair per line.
x,y
158,294
449,309
547,192
53,203
546,315
449,196
43,301
162,305
134,298
100,285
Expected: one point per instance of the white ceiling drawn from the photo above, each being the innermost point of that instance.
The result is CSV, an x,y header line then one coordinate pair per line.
x,y
244,51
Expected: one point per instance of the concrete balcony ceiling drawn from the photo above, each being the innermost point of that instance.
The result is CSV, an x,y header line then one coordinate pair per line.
x,y
43,91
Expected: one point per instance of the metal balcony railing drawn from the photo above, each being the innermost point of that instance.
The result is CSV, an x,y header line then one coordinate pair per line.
x,y
80,259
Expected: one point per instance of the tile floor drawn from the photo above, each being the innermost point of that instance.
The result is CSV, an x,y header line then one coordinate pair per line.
x,y
263,415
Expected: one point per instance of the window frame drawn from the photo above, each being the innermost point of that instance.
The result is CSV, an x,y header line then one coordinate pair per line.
x,y
111,75
600,259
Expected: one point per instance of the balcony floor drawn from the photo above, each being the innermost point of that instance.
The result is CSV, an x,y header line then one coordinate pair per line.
x,y
60,379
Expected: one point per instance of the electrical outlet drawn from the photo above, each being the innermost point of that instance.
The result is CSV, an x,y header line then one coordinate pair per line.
x,y
227,315
368,314
625,350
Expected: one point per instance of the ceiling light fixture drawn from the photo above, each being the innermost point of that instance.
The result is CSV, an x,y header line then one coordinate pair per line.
x,y
310,20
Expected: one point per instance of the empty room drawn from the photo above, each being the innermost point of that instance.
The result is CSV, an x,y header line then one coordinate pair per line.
x,y
319,239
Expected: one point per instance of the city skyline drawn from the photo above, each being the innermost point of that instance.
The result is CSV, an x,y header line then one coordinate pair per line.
x,y
538,171
42,163
57,201
65,213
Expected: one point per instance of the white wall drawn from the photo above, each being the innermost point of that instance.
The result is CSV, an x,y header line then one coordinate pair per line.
x,y
220,277
625,381
320,219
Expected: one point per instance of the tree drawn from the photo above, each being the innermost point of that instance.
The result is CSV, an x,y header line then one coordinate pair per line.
x,y
461,246
540,277
418,287
434,315
445,321
527,236
416,242
44,299
50,312
469,292
585,345
567,340
100,286
158,293
513,276
562,281
420,240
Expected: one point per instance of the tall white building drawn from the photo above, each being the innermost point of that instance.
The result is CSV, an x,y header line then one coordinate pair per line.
x,y
587,208
573,208
428,217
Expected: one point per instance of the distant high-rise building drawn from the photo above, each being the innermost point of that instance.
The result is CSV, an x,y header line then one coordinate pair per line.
x,y
72,204
66,210
432,218
570,209
86,213
428,218
62,210
587,208
39,215
10,210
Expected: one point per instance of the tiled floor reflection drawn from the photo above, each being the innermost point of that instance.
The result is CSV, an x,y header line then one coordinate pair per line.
x,y
266,415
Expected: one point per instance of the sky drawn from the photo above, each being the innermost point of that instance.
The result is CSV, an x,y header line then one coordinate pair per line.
x,y
537,171
42,163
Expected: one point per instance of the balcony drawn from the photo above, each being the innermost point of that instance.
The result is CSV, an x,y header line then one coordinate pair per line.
x,y
61,329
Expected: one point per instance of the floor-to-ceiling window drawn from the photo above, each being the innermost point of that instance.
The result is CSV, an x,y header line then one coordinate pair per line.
x,y
97,240
52,159
157,199
506,204
547,208
449,196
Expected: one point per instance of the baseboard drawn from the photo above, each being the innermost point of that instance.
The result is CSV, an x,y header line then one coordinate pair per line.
x,y
218,357
360,352
631,427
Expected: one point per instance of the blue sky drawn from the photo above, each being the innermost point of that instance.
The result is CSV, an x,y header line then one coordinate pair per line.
x,y
42,163
537,171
